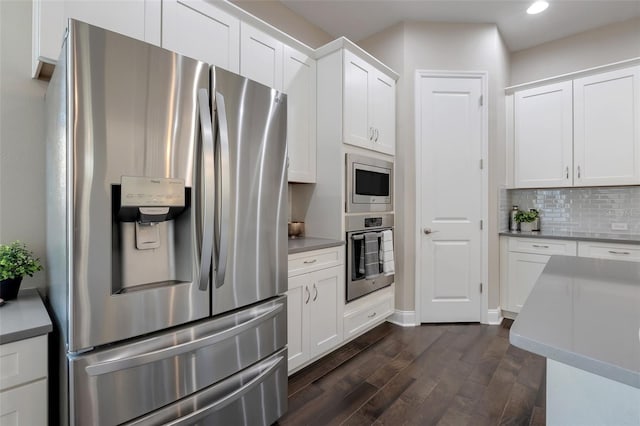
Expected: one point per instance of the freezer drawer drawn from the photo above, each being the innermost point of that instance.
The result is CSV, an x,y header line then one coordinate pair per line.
x,y
256,396
123,382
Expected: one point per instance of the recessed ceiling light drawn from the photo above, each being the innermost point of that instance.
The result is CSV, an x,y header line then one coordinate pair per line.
x,y
537,7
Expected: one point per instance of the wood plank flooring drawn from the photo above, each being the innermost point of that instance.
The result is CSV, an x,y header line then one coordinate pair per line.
x,y
462,374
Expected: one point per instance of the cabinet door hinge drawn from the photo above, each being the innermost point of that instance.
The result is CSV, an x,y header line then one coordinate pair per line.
x,y
480,287
481,100
481,224
482,164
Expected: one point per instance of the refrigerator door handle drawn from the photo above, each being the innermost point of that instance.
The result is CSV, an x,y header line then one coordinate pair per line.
x,y
208,187
111,366
225,188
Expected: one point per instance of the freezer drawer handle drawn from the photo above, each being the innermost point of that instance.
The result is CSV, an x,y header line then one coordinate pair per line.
x,y
227,399
160,354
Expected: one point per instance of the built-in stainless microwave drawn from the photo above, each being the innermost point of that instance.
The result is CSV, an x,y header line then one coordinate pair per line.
x,y
369,184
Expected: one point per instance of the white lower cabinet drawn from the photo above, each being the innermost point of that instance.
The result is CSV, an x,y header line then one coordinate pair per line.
x,y
23,382
366,312
315,302
522,260
614,251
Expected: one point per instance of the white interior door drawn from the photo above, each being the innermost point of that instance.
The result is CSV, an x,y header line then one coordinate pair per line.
x,y
449,195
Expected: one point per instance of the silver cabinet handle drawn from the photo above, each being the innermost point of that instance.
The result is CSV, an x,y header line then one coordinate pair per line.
x,y
540,246
377,134
208,184
578,172
372,315
308,294
567,172
308,262
315,297
370,133
619,252
109,366
223,224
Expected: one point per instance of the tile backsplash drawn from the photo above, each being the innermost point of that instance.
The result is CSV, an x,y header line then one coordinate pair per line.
x,y
577,209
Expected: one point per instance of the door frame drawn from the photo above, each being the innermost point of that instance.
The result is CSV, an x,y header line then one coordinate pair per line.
x,y
484,234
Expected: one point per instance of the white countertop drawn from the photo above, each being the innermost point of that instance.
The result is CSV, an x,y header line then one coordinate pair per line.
x,y
585,313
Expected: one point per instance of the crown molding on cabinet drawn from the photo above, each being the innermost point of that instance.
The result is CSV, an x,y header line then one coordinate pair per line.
x,y
572,75
345,43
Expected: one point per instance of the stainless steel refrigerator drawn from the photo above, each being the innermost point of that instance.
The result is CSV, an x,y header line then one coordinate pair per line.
x,y
166,237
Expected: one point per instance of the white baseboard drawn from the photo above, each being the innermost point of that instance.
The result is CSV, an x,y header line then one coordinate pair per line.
x,y
403,318
494,316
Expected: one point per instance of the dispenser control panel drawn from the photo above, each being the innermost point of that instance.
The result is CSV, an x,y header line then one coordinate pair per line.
x,y
151,192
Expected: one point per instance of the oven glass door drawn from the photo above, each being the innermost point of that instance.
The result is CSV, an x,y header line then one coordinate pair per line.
x,y
363,279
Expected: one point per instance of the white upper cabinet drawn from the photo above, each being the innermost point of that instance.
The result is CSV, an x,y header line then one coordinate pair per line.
x,y
299,83
137,19
200,30
543,136
607,128
581,132
261,56
369,106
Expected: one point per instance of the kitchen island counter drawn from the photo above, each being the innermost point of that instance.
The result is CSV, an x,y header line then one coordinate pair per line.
x,y
583,315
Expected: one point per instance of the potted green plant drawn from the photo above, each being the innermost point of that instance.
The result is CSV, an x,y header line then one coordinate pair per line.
x,y
528,220
16,261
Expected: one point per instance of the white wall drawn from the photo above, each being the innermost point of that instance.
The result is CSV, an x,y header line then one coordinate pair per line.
x,y
22,150
283,18
600,46
453,47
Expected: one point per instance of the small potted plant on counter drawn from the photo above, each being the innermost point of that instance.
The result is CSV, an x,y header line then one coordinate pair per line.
x,y
16,261
528,220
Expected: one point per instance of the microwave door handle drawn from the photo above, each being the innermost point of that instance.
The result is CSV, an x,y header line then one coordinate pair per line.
x,y
225,188
206,191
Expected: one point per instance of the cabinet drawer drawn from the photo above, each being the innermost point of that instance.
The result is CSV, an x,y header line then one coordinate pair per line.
x,y
628,252
23,361
359,320
541,246
24,405
302,263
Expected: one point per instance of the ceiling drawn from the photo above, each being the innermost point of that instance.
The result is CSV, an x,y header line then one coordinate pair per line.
x,y
358,19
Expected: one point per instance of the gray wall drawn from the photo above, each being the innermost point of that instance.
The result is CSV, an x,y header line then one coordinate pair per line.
x,y
600,46
411,46
22,151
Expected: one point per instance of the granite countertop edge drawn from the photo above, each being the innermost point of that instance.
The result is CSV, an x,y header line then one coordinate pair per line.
x,y
582,236
304,244
24,318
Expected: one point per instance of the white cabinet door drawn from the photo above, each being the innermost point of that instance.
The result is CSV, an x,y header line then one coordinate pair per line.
x,y
524,269
299,83
136,19
198,29
325,313
261,56
543,132
383,113
298,297
24,405
607,128
357,126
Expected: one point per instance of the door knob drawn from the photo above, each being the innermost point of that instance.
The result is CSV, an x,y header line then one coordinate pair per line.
x,y
427,231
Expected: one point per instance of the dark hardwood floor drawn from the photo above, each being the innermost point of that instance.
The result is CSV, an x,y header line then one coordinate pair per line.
x,y
462,374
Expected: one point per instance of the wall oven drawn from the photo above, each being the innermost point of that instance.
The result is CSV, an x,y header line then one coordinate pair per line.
x,y
365,247
369,184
